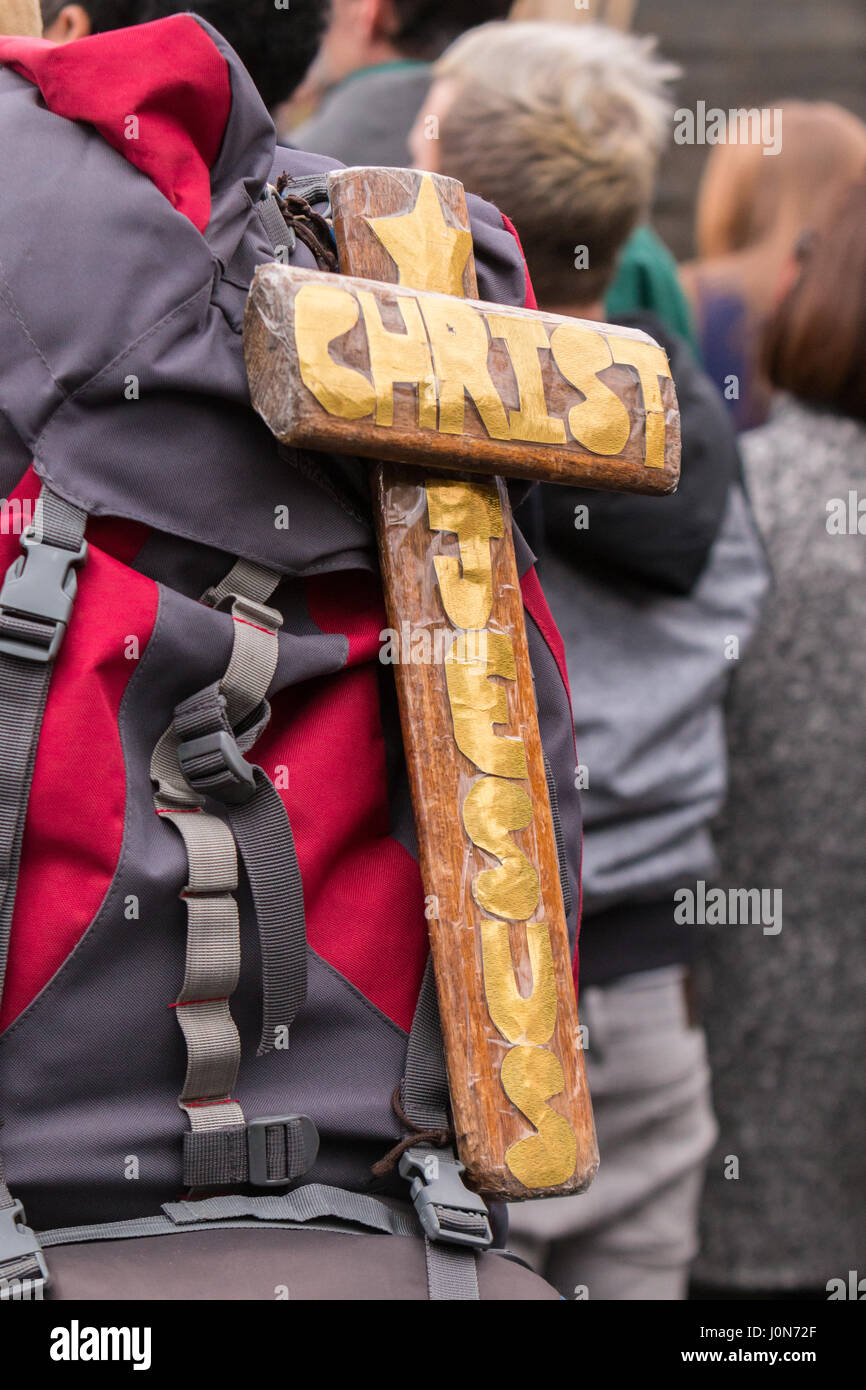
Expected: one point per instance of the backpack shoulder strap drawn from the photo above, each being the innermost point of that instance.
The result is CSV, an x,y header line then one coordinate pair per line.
x,y
36,601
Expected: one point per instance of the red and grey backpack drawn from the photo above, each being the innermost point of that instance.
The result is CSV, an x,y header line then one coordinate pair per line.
x,y
212,932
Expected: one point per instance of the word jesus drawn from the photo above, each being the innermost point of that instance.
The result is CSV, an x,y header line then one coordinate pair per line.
x,y
495,807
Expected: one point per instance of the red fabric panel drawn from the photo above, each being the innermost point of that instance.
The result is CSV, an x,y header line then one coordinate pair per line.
x,y
74,825
168,74
530,302
362,890
536,606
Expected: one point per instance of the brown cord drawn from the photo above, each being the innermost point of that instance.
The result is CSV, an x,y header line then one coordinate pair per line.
x,y
438,1137
309,226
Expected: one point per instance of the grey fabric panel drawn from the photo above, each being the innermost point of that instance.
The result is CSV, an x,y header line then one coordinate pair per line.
x,y
561,853
367,120
557,737
14,458
268,1264
648,677
190,569
90,1072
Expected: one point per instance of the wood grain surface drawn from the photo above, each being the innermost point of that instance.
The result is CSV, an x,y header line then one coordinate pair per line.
x,y
488,1122
412,373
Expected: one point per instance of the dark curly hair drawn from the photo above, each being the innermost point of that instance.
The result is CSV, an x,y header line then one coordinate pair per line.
x,y
425,28
275,45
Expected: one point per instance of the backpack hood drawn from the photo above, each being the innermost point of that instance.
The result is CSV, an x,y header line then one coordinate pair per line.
x,y
130,168
173,99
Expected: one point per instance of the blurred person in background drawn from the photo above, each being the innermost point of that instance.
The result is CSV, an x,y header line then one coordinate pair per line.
x,y
20,18
785,1011
564,126
374,69
751,210
256,30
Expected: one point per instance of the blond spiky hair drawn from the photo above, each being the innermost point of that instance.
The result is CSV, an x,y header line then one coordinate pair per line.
x,y
561,126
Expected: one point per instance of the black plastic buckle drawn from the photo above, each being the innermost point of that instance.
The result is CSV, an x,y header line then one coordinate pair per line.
x,y
233,764
40,587
437,1189
16,1242
303,1131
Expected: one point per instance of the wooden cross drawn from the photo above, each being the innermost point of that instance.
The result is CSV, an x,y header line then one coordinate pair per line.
x,y
406,365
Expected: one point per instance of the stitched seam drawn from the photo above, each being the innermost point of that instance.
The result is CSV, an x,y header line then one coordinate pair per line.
x,y
53,425
11,304
368,1003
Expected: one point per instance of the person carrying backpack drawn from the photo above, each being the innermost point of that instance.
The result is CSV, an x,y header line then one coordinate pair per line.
x,y
211,912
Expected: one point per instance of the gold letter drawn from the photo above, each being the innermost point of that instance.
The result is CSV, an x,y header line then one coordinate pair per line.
x,y
473,513
601,421
460,346
524,337
651,363
531,1076
399,357
490,811
323,313
519,1018
477,704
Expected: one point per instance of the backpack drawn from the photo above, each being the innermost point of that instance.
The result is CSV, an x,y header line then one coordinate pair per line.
x,y
218,1015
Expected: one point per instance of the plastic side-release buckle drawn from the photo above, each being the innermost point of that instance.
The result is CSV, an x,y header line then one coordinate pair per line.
x,y
40,588
446,1208
295,1149
217,756
18,1242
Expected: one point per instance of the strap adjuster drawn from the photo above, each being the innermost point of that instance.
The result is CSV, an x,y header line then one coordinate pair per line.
x,y
39,588
446,1208
292,1155
214,765
17,1242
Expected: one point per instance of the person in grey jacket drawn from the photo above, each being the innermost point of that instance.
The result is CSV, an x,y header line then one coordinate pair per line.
x,y
374,66
656,599
784,1206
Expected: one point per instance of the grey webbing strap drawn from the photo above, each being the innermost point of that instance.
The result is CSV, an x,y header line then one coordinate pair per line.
x,y
35,607
247,578
280,234
267,1152
213,926
452,1273
210,756
264,837
201,755
137,1227
424,1089
332,1208
308,1203
451,1268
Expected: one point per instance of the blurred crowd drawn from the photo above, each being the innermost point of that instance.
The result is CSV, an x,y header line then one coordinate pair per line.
x,y
715,639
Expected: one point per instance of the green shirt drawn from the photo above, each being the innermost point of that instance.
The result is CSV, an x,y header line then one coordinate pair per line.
x,y
647,278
